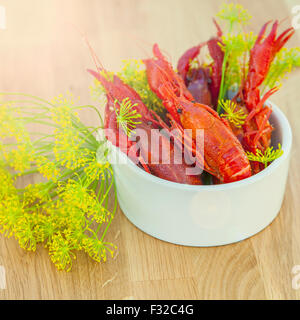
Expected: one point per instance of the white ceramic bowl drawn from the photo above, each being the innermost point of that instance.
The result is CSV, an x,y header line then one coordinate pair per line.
x,y
206,215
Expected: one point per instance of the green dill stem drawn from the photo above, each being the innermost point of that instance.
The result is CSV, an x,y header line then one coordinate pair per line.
x,y
221,92
38,115
26,173
88,136
42,122
72,174
39,134
36,105
104,198
97,111
26,95
42,138
93,185
100,189
270,83
114,211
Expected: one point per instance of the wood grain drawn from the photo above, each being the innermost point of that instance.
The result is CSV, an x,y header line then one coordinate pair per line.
x,y
42,53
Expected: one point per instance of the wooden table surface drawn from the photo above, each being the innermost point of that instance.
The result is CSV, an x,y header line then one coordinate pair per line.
x,y
42,53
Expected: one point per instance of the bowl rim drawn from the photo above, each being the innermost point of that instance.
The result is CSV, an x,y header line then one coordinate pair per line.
x,y
286,145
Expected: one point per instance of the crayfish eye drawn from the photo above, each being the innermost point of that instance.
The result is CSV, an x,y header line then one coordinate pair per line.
x,y
179,110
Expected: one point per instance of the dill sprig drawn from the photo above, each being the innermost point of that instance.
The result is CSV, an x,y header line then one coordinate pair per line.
x,y
237,118
97,91
268,156
233,15
127,115
285,61
69,211
133,73
236,47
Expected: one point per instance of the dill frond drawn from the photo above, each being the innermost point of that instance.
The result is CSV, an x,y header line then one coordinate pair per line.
x,y
237,118
71,207
134,74
233,15
268,156
236,48
285,61
127,116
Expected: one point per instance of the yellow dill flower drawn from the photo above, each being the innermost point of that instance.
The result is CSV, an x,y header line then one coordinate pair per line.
x,y
20,159
233,14
60,251
75,194
47,168
74,236
11,127
71,216
20,156
127,116
65,210
99,213
7,188
134,74
237,118
62,113
286,60
24,231
68,149
47,227
10,206
96,170
10,211
96,249
267,157
80,203
35,193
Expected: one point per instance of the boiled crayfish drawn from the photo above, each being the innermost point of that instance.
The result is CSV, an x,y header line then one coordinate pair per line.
x,y
190,98
204,84
175,168
257,129
224,156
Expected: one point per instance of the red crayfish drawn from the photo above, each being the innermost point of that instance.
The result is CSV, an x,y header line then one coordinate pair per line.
x,y
224,156
176,168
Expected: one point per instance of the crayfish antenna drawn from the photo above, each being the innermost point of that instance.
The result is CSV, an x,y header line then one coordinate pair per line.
x,y
94,56
220,32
